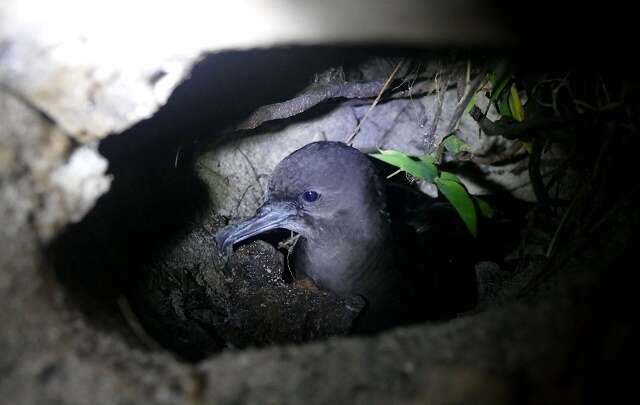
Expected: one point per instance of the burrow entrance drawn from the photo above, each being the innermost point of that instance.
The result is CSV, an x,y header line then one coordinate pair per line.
x,y
144,261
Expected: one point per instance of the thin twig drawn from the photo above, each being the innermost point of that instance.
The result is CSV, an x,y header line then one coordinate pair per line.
x,y
394,173
440,95
386,84
418,118
175,162
406,79
289,244
471,89
256,176
244,194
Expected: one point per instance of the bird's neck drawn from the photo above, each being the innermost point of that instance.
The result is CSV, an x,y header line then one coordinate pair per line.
x,y
352,257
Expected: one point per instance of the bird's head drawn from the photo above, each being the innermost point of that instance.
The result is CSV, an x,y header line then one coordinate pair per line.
x,y
322,188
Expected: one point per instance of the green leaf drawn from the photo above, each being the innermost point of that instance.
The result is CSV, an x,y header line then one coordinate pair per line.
x,y
500,82
499,85
503,106
393,157
471,103
449,177
484,207
461,201
515,105
428,159
454,144
421,168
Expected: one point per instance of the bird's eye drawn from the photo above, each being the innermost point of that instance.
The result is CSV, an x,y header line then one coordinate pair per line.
x,y
310,196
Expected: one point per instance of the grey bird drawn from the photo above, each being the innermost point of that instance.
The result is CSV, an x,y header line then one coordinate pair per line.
x,y
331,195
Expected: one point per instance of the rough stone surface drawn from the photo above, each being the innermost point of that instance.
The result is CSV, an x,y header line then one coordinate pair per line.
x,y
240,167
94,80
39,178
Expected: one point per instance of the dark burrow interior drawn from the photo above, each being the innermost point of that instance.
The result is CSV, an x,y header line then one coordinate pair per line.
x,y
144,262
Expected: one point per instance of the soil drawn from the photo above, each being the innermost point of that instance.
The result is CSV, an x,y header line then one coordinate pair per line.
x,y
197,302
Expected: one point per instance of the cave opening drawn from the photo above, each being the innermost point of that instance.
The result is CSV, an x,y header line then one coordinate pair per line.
x,y
144,263
157,196
117,190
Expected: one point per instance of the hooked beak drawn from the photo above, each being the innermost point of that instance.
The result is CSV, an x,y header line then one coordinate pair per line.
x,y
271,215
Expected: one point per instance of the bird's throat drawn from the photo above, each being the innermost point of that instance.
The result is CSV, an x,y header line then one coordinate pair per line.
x,y
346,264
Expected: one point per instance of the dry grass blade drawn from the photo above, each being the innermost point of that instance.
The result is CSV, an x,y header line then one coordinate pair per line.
x,y
386,84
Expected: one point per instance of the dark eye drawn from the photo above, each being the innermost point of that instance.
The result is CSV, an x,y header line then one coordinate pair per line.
x,y
310,196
